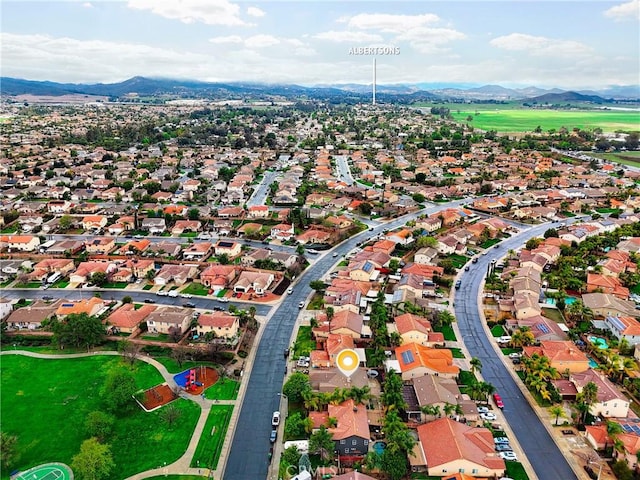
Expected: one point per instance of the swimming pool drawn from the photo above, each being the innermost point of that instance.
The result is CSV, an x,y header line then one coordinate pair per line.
x,y
599,342
378,447
592,363
567,301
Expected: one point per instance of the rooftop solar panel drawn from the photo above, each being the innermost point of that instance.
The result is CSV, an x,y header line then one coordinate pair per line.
x,y
543,328
617,324
407,357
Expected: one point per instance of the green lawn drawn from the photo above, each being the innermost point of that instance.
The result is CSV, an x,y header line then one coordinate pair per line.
x,y
119,285
489,243
457,353
48,413
189,234
28,285
636,289
507,351
304,343
223,390
458,260
516,471
160,337
316,302
553,314
147,287
210,444
449,334
61,284
497,331
625,158
196,289
466,377
608,210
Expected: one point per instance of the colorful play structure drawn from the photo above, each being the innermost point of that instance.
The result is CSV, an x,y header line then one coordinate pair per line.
x,y
191,383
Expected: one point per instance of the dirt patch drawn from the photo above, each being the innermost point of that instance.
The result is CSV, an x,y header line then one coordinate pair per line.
x,y
205,376
157,396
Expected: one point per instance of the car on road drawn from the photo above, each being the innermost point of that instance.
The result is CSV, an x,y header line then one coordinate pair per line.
x,y
334,255
489,416
223,299
312,251
483,410
273,436
474,260
301,305
509,456
173,293
162,293
466,269
289,290
189,305
497,245
218,308
371,229
497,399
47,297
186,295
148,300
458,284
275,419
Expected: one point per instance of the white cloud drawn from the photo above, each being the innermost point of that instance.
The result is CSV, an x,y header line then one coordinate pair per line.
x,y
227,39
255,12
87,5
540,46
430,40
386,22
210,12
261,41
348,37
624,11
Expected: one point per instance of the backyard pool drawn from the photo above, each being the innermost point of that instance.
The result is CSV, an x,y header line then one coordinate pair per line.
x,y
599,342
378,447
592,363
567,301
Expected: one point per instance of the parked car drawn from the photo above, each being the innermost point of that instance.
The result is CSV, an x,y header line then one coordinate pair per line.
x,y
189,305
500,440
301,305
458,284
497,399
515,355
510,456
218,308
466,269
47,297
273,436
148,300
334,255
503,447
474,260
223,299
162,293
489,416
275,419
289,290
173,293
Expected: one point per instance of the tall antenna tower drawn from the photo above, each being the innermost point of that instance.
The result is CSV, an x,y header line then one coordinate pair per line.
x,y
374,80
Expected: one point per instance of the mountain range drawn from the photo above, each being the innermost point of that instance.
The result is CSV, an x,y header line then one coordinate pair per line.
x,y
403,93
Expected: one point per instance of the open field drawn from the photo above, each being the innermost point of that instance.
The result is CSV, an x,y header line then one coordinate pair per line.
x,y
50,399
514,118
625,158
208,449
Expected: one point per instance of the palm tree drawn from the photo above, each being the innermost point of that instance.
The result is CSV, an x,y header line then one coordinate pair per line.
x,y
557,411
476,365
486,389
359,395
252,312
587,397
321,442
311,400
614,429
330,313
449,409
432,410
522,337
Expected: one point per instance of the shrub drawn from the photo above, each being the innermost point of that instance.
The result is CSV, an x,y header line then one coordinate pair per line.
x,y
242,354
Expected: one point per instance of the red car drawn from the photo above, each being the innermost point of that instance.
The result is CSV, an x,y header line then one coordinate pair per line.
x,y
498,400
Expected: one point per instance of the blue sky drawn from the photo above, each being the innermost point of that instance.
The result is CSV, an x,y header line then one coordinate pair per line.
x,y
570,44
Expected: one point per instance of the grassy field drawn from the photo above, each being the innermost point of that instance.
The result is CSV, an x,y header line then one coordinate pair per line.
x,y
223,390
515,118
497,331
50,399
626,158
172,366
196,289
304,343
208,450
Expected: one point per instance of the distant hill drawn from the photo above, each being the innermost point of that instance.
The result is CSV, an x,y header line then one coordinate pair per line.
x,y
347,92
567,97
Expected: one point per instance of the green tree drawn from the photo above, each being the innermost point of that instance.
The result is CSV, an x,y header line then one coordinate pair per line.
x,y
127,299
426,241
193,214
65,222
94,462
291,456
99,278
476,365
295,387
118,389
99,425
294,427
78,330
9,454
394,464
317,285
557,411
170,414
321,443
392,392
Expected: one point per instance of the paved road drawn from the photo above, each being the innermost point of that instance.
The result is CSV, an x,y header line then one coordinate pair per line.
x,y
259,195
545,457
136,295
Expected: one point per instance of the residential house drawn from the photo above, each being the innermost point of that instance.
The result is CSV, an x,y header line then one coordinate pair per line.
x,y
218,277
91,306
258,211
259,282
363,271
178,274
100,245
416,360
426,256
282,231
154,226
313,235
19,243
32,316
627,328
228,248
164,249
610,402
605,284
327,379
182,226
344,322
220,324
351,433
127,318
415,329
93,222
169,320
607,305
459,449
401,237
197,251
563,355
85,270
525,304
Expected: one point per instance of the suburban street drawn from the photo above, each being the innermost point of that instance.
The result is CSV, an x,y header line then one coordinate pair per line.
x,y
259,195
543,454
248,458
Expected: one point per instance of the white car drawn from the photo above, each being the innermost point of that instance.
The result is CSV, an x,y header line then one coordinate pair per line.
x,y
301,305
483,410
510,456
173,293
223,299
488,416
515,355
275,419
162,293
186,295
290,291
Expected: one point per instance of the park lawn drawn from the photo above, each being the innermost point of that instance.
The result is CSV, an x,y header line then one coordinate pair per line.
x,y
625,158
226,389
48,412
210,443
195,289
304,343
497,331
